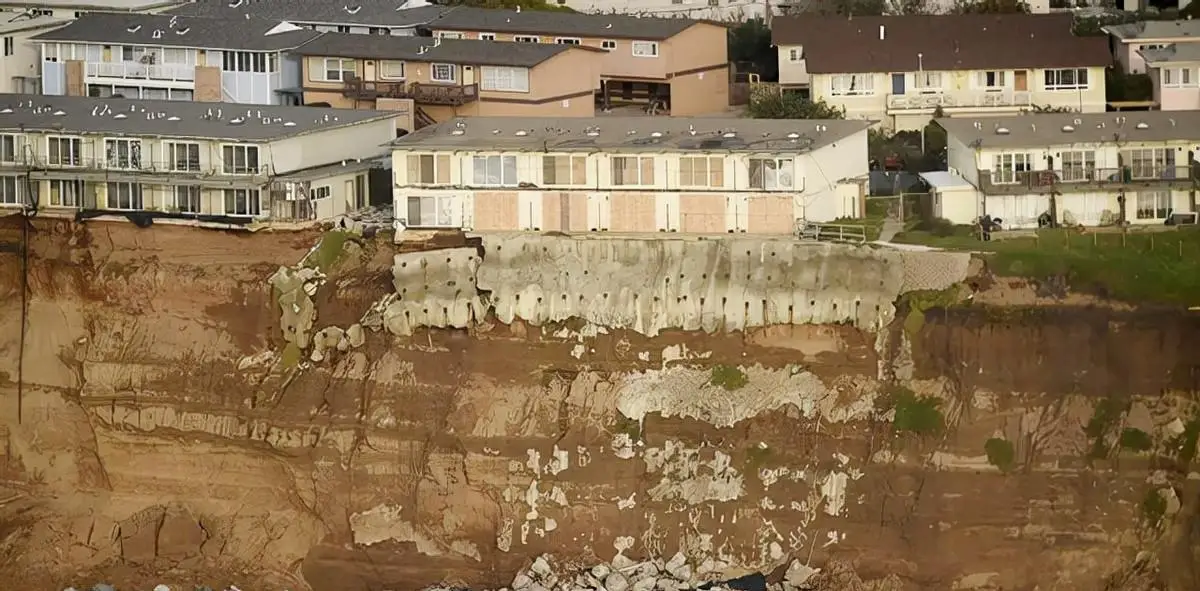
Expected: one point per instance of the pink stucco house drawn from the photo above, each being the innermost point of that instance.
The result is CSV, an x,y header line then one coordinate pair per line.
x,y
1175,72
1128,40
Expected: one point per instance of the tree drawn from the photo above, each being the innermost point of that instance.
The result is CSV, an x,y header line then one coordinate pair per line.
x,y
542,5
990,7
776,105
750,48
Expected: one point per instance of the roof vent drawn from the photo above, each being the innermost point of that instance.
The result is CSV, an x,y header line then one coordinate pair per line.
x,y
172,118
522,133
1068,128
729,134
1078,121
1143,125
60,112
6,110
793,136
656,134
457,132
120,116
592,132
495,132
1001,131
290,124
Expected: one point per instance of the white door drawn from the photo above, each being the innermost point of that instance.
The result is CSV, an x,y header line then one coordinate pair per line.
x,y
737,213
468,73
529,214
599,212
666,212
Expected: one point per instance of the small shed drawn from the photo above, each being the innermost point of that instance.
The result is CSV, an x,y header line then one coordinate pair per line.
x,y
954,198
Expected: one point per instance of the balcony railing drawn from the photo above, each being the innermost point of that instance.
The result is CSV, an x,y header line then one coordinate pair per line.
x,y
1073,180
951,100
429,94
140,71
132,165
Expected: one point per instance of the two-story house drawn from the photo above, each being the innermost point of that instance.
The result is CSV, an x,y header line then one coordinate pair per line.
x,y
157,56
373,17
222,163
1128,40
902,69
679,63
630,174
445,78
1174,75
1091,169
20,66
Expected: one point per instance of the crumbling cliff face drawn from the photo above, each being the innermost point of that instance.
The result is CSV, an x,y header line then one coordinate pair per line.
x,y
324,411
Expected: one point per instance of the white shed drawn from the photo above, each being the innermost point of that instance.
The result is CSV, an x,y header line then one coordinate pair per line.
x,y
954,198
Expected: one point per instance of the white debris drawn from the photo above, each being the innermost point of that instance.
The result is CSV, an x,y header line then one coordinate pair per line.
x,y
622,446
629,503
798,574
616,582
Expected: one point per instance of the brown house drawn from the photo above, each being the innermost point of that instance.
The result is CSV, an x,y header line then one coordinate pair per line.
x,y
682,64
447,78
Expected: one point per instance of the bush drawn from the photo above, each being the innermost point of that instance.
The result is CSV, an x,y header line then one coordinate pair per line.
x,y
776,105
940,227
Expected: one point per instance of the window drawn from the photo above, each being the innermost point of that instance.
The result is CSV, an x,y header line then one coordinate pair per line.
x,y
1149,163
10,190
995,80
377,31
852,84
448,35
504,79
487,36
123,153
564,170
391,70
645,49
526,39
8,148
770,174
494,170
237,159
702,171
343,28
927,81
428,169
567,41
1078,166
183,156
1068,79
633,170
1010,168
1153,205
444,73
244,61
186,199
242,202
64,151
608,45
795,54
124,196
66,193
339,70
322,192
8,46
1178,77
430,211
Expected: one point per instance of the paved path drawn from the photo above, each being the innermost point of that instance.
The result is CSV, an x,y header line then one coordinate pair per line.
x,y
891,227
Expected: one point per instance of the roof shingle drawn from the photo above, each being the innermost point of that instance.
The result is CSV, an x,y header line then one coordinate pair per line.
x,y
1147,30
249,34
566,24
453,51
369,13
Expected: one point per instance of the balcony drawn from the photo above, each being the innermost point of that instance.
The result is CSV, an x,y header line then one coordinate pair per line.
x,y
140,71
958,100
1092,179
125,168
428,94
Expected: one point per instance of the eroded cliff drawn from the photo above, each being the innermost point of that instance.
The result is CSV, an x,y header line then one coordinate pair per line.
x,y
322,410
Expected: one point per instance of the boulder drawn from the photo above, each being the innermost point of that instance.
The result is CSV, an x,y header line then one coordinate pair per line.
x,y
616,582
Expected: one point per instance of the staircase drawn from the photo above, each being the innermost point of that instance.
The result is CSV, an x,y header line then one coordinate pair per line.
x,y
421,118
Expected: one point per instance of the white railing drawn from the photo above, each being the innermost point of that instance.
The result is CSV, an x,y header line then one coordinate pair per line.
x,y
136,70
950,100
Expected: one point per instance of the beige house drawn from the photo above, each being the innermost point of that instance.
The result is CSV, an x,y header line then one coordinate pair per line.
x,y
630,174
1130,39
445,78
680,64
1175,76
21,64
194,162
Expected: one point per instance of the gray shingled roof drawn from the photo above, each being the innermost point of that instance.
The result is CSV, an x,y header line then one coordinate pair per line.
x,y
453,51
566,24
1147,30
183,31
1046,129
155,118
369,13
1176,52
631,134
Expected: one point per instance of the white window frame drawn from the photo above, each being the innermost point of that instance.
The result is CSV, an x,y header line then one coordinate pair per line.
x,y
9,45
252,203
526,39
1007,168
499,170
504,79
852,85
74,195
172,159
1077,166
1058,75
449,35
998,82
926,82
712,167
322,192
451,68
9,152
229,158
340,69
385,67
438,161
76,156
770,171
11,192
568,40
644,49
187,198
1179,78
795,54
551,162
639,181
433,211
130,160
1152,205
133,196
608,45
487,36
1149,163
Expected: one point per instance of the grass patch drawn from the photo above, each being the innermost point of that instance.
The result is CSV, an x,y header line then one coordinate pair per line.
x,y
628,426
1135,440
1154,507
329,251
921,301
1000,453
728,377
917,415
290,357
1105,416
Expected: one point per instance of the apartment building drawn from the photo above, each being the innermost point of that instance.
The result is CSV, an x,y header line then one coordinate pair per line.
x,y
71,9
679,63
1174,75
20,65
374,17
1094,169
163,57
220,163
438,79
902,69
1130,39
717,10
630,174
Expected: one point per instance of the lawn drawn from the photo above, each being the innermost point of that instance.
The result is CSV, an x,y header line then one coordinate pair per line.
x,y
1136,266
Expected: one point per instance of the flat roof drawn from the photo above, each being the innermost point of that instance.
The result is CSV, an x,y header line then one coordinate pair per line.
x,y
647,134
164,30
185,119
1051,129
943,179
1144,30
562,24
426,49
367,13
1175,52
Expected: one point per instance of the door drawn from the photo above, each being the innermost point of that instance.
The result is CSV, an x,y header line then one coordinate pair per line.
x,y
897,83
737,213
1021,80
666,212
349,196
599,209
369,71
468,73
529,210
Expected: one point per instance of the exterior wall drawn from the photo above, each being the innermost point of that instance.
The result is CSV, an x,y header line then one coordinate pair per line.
x,y
1131,60
702,93
824,169
25,62
961,160
793,72
960,205
1178,98
1089,209
733,11
358,141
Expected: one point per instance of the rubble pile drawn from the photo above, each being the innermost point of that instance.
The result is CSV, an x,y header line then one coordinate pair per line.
x,y
367,221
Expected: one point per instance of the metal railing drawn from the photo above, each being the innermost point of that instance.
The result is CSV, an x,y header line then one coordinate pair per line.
x,y
133,165
140,71
831,232
430,94
950,100
1089,178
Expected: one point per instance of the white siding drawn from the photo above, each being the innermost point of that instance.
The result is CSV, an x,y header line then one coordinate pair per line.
x,y
364,140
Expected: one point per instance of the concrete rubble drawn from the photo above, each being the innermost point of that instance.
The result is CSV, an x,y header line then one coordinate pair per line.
x,y
294,289
367,221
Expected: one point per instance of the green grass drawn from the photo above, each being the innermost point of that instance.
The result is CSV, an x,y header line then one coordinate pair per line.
x,y
728,377
1135,440
921,301
916,415
1000,453
1137,267
1154,507
756,457
329,251
291,356
628,426
1105,416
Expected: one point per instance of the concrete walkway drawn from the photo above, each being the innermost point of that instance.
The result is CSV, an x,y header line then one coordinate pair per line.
x,y
891,227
